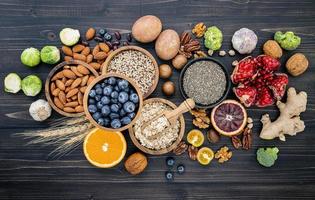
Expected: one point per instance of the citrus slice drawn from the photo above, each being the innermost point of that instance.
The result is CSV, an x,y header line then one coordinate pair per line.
x,y
229,118
205,155
195,138
104,148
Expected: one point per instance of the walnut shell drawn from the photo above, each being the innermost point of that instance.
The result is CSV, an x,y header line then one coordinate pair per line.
x,y
297,64
272,48
136,163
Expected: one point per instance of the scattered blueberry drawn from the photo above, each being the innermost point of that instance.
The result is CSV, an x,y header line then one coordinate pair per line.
x,y
91,101
114,115
105,100
92,108
105,81
106,110
169,176
112,81
96,116
123,84
125,120
107,90
114,108
100,121
92,93
102,31
114,94
170,161
131,115
115,123
123,97
127,89
180,169
107,37
98,97
99,90
99,105
134,98
129,107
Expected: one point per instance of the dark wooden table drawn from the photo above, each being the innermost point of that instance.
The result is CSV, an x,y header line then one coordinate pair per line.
x,y
27,173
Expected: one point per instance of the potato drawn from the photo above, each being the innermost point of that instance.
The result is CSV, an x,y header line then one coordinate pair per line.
x,y
147,28
167,44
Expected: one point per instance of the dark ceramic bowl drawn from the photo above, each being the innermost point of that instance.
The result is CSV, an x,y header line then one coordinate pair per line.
x,y
227,76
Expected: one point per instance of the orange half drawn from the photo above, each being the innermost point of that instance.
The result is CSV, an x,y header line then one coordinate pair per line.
x,y
104,148
205,155
195,138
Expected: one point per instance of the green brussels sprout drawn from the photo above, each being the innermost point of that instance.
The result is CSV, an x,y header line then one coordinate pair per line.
x,y
213,38
50,54
288,40
30,57
267,156
31,85
12,83
69,36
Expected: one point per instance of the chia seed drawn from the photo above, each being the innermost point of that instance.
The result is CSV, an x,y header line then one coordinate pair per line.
x,y
205,82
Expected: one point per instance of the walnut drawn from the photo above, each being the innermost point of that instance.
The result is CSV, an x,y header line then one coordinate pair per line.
x,y
272,48
297,64
201,119
199,30
188,45
136,163
223,154
181,148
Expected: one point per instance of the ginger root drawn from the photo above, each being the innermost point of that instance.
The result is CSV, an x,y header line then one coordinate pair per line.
x,y
289,122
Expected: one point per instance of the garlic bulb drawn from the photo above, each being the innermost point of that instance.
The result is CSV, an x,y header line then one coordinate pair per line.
x,y
244,41
40,110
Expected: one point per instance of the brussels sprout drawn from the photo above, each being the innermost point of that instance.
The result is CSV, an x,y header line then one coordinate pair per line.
x,y
69,36
30,57
12,83
31,85
288,40
267,156
50,54
213,38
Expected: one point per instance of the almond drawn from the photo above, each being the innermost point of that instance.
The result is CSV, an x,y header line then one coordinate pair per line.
x,y
100,61
90,79
80,98
58,103
55,92
104,47
84,80
72,104
66,50
66,67
100,55
62,97
69,82
89,58
59,75
82,89
75,70
60,85
95,65
69,74
76,83
83,70
90,33
96,50
86,51
69,100
64,79
67,89
53,86
72,92
79,109
77,48
75,97
68,110
81,57
68,58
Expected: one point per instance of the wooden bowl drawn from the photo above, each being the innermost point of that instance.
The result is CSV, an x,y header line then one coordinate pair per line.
x,y
56,69
101,78
119,50
168,149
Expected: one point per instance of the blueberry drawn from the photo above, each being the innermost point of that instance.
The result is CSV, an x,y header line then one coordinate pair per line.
x,y
122,113
114,100
132,91
92,93
103,85
129,107
100,121
126,89
114,94
131,115
107,37
105,110
105,81
116,88
125,120
115,123
134,98
97,86
180,169
99,105
99,90
102,31
169,176
120,105
105,100
92,108
114,108
123,84
113,115
96,116
123,97
91,101
106,122
112,81
170,161
98,97
107,90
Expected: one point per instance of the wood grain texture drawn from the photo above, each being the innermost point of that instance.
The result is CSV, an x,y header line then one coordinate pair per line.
x,y
27,173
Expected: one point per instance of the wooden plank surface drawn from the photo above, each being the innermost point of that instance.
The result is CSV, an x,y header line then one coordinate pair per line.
x,y
27,173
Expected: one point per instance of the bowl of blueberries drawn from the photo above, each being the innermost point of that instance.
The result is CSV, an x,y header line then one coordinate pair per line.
x,y
112,102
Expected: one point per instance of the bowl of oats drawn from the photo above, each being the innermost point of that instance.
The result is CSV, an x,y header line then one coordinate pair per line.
x,y
156,143
135,63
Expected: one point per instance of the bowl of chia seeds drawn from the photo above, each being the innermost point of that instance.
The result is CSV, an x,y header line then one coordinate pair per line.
x,y
206,80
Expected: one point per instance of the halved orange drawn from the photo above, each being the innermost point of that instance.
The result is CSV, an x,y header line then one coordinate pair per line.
x,y
205,155
104,148
195,138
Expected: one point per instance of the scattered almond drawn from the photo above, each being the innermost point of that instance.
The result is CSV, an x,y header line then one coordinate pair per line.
x,y
64,79
59,75
77,48
86,51
72,104
68,110
72,92
66,50
104,47
81,57
75,70
58,103
68,58
89,58
90,33
83,70
79,109
96,49
90,79
95,65
52,86
67,89
69,74
100,55
84,80
62,97
69,82
82,89
55,92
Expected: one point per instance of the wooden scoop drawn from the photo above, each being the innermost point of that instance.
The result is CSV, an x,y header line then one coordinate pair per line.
x,y
173,115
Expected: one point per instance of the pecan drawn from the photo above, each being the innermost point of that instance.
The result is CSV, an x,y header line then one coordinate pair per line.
x,y
188,45
192,152
191,48
200,54
236,141
181,148
247,139
185,38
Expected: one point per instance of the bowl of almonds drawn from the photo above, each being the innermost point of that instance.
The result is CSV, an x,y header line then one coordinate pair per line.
x,y
65,87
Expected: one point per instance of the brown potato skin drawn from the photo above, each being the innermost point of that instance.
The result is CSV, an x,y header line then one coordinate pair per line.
x,y
167,44
147,28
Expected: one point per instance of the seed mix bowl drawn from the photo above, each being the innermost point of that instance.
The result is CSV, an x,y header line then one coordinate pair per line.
x,y
135,63
112,102
205,80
